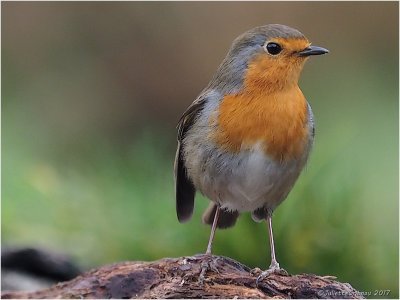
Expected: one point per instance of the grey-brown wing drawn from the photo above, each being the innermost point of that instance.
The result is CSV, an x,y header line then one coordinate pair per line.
x,y
184,188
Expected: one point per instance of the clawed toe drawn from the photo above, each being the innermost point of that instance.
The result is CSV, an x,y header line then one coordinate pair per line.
x,y
273,270
209,263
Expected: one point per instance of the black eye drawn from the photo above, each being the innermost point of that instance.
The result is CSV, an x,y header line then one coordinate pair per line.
x,y
273,48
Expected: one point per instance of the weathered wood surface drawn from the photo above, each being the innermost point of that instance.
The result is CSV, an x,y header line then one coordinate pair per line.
x,y
178,278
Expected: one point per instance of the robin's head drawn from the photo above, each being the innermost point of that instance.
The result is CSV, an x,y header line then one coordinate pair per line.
x,y
268,57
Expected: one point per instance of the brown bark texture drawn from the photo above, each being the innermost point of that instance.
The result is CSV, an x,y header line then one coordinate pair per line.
x,y
179,278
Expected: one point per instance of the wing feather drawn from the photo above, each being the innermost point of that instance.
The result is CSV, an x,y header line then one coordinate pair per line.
x,y
184,188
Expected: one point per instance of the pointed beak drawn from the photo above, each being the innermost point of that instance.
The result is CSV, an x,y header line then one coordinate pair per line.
x,y
312,50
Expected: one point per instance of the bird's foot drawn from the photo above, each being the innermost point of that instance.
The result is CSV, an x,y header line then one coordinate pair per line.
x,y
273,269
207,263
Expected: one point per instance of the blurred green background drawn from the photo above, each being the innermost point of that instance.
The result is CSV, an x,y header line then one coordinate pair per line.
x,y
91,94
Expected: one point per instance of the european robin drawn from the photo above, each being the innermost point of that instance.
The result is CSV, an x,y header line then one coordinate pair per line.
x,y
245,139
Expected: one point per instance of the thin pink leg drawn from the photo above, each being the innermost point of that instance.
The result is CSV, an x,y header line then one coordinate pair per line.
x,y
214,226
274,263
274,266
208,263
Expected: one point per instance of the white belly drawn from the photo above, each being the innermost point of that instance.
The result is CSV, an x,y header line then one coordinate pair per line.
x,y
245,181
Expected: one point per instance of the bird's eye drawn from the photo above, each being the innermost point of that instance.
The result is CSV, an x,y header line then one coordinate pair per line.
x,y
273,48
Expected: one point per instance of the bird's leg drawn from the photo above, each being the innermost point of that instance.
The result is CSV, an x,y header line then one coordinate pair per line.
x,y
274,266
208,262
213,228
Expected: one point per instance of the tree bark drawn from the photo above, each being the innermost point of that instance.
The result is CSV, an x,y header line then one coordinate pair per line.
x,y
178,278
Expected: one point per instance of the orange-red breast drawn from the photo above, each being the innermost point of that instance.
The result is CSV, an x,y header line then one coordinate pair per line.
x,y
245,139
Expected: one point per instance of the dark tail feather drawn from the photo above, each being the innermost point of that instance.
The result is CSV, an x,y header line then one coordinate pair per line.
x,y
184,190
226,218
